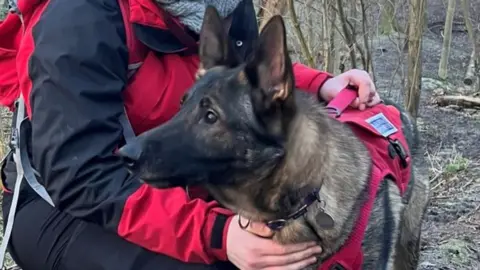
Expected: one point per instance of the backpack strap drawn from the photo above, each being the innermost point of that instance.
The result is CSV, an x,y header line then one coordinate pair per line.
x,y
128,133
24,170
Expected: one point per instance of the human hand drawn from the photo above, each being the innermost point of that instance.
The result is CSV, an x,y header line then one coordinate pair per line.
x,y
367,94
248,251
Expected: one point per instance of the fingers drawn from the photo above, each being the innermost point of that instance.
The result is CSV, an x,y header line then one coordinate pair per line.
x,y
277,249
250,252
295,266
307,255
374,100
366,88
267,254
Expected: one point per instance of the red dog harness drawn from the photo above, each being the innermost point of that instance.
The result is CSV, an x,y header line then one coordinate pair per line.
x,y
379,128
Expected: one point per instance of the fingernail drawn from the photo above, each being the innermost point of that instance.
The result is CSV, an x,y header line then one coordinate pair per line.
x,y
317,249
313,260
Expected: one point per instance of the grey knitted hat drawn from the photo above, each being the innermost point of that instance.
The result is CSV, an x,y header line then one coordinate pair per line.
x,y
190,12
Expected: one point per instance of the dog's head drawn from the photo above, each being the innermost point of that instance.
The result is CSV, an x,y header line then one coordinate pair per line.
x,y
233,121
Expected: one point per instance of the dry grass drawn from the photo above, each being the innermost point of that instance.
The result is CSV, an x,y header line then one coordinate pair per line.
x,y
4,131
445,165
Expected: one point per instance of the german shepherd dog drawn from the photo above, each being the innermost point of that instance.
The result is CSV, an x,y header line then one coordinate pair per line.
x,y
259,148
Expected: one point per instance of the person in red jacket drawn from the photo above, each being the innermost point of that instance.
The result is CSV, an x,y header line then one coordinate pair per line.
x,y
80,66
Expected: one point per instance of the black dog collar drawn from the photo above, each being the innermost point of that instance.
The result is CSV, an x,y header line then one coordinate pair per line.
x,y
326,220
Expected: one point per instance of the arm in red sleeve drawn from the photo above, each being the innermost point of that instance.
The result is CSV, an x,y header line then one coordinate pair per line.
x,y
309,79
75,87
175,225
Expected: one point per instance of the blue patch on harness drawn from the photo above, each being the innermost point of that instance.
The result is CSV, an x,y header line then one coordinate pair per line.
x,y
381,124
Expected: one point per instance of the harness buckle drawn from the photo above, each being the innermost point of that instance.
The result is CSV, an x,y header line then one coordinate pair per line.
x,y
13,142
395,148
333,111
277,224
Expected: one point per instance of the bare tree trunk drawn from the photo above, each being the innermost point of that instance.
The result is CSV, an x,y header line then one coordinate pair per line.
x,y
325,35
330,51
470,74
353,11
388,22
416,22
474,64
367,56
261,10
269,8
310,32
349,38
443,68
298,30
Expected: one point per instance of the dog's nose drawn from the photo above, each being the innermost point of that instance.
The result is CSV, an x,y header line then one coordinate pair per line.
x,y
130,154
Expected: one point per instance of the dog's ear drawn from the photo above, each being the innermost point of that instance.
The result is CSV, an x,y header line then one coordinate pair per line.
x,y
270,72
215,48
270,69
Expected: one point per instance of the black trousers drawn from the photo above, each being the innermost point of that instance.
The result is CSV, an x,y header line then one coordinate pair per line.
x,y
44,238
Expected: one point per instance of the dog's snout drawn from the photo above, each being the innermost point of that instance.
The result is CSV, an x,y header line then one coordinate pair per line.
x,y
130,154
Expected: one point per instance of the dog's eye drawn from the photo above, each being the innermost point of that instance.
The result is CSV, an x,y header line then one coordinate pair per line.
x,y
210,117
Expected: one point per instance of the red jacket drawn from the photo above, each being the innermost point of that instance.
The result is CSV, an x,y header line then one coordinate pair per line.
x,y
78,64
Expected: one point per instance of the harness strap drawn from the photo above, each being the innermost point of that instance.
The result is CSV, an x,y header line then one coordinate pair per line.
x,y
341,102
348,257
24,170
128,133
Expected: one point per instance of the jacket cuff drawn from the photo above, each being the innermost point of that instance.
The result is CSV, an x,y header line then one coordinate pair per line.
x,y
318,82
309,79
218,238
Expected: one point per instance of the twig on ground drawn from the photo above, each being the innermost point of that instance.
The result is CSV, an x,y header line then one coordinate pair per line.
x,y
463,101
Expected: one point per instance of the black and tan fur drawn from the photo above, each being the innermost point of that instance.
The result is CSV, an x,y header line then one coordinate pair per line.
x,y
260,147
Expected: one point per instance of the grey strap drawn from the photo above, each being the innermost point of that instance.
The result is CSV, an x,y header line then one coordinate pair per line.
x,y
21,143
24,170
128,133
132,69
12,4
13,209
16,190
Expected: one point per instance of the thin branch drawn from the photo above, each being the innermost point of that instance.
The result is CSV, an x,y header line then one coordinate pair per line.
x,y
369,62
298,31
348,36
